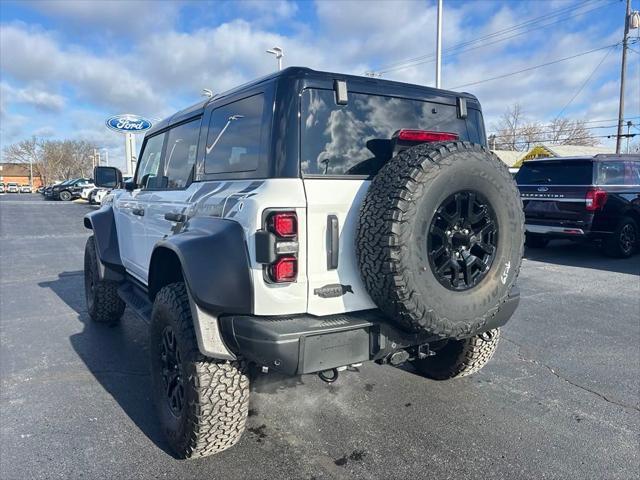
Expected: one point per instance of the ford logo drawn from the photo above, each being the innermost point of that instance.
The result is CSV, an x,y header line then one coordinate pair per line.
x,y
128,123
543,189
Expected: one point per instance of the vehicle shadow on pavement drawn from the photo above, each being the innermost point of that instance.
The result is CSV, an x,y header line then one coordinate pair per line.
x,y
582,255
117,356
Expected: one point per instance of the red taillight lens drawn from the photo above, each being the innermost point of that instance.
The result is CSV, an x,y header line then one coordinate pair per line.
x,y
425,136
284,224
595,199
285,269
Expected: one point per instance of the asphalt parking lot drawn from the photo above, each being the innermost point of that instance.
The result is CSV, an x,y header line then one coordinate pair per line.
x,y
560,399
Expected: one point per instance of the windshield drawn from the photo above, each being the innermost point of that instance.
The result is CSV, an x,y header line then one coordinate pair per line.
x,y
556,172
356,139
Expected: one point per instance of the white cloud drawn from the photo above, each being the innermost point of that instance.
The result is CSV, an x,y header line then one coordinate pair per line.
x,y
158,71
113,17
40,99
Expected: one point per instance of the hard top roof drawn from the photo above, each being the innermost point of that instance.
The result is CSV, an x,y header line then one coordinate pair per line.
x,y
307,73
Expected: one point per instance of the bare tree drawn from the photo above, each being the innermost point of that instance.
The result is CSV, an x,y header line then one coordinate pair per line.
x,y
27,151
514,132
54,159
506,129
563,131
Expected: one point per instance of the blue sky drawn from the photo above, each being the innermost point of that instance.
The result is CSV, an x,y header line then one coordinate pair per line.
x,y
65,66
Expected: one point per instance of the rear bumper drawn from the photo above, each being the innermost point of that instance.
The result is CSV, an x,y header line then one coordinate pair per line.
x,y
555,230
303,344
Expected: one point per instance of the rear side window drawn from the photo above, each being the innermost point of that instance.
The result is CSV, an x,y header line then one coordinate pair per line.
x,y
180,154
632,173
619,173
556,172
234,137
355,139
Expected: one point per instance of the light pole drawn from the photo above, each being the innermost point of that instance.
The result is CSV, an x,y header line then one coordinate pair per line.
x,y
279,53
439,44
106,156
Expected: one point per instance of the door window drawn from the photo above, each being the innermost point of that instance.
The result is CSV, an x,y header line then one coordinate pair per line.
x,y
180,155
234,138
147,176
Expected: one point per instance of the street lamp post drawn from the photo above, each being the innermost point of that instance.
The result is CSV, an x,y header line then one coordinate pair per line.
x,y
279,53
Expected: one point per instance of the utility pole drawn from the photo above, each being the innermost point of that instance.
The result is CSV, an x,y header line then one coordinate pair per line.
x,y
629,124
439,44
627,18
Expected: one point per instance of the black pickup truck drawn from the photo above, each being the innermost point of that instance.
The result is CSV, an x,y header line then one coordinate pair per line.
x,y
595,198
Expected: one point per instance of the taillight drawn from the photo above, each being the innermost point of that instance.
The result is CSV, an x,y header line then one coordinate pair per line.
x,y
425,136
284,224
277,247
595,199
284,269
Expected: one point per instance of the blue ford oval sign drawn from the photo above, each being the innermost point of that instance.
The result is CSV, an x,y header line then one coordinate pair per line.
x,y
128,123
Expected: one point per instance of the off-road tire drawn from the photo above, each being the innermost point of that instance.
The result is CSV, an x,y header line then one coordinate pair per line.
x,y
613,244
65,196
103,303
392,230
216,392
533,240
460,358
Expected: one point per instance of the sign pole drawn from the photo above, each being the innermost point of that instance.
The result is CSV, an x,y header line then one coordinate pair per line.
x,y
129,125
130,152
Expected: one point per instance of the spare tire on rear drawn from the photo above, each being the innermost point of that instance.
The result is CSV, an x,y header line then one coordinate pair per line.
x,y
440,238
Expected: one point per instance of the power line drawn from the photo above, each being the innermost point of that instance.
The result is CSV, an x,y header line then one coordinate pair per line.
x,y
477,39
553,62
456,49
548,131
584,84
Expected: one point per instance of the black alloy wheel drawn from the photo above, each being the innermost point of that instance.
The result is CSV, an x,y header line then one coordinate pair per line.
x,y
172,375
628,238
462,240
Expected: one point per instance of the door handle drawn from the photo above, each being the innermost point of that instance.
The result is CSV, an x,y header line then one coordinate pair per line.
x,y
333,242
138,211
175,217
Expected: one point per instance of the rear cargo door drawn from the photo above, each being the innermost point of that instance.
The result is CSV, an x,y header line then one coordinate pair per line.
x,y
554,191
342,148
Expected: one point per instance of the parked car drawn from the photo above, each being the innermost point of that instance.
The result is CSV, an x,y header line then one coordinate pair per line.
x,y
1,187
25,189
69,190
13,187
100,194
48,191
304,223
583,199
40,189
84,193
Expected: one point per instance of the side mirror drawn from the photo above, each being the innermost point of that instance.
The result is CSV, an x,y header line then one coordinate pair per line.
x,y
107,177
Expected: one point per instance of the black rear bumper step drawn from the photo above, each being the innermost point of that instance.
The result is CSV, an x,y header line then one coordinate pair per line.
x,y
301,344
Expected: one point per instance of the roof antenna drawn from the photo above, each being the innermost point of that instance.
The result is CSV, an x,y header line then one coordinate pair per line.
x,y
206,92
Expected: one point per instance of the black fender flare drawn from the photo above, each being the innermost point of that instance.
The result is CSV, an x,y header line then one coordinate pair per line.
x,y
215,264
103,224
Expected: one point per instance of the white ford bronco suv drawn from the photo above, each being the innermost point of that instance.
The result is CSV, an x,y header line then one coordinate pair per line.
x,y
304,223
